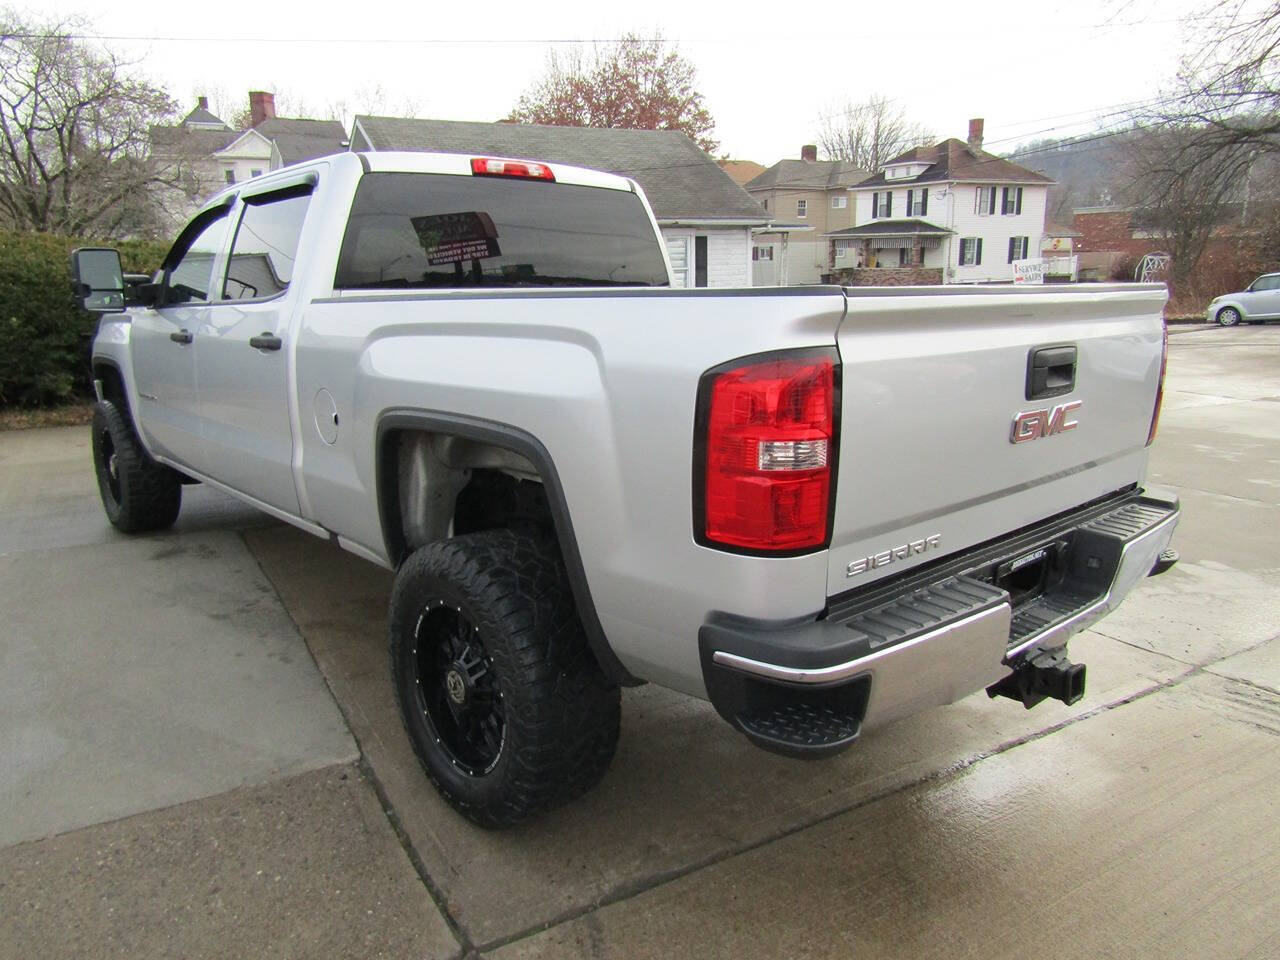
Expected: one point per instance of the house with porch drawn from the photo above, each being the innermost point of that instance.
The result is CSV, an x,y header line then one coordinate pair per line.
x,y
808,198
946,213
706,219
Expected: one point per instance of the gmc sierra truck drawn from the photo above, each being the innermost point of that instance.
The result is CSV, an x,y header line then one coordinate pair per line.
x,y
820,508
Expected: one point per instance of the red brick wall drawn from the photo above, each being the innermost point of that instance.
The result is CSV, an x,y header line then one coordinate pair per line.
x,y
889,276
1110,232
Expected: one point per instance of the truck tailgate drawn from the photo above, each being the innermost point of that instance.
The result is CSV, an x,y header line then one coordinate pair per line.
x,y
933,383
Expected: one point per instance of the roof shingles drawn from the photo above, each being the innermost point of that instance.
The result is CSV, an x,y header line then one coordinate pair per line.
x,y
808,175
955,160
299,140
681,182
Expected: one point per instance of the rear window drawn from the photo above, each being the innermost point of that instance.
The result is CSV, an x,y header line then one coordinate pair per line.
x,y
426,230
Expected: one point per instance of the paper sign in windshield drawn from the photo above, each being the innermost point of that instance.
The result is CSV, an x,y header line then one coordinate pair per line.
x,y
457,237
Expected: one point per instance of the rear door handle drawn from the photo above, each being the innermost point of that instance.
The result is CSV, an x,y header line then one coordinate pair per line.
x,y
182,336
1051,371
265,341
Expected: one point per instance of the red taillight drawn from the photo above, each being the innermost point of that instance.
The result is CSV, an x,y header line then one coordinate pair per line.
x,y
484,167
769,431
1164,363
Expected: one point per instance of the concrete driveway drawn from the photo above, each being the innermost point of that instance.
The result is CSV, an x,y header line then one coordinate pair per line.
x,y
1141,822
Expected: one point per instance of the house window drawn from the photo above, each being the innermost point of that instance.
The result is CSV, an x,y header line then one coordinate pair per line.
x,y
802,208
970,251
985,201
230,175
882,204
1011,200
842,248
255,173
904,257
765,203
839,203
764,252
1018,248
918,202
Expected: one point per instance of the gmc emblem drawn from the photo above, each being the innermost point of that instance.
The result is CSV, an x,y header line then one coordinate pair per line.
x,y
1034,424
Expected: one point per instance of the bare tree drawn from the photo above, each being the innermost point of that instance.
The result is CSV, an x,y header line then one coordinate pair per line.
x,y
1186,186
1229,81
74,135
868,133
233,109
639,83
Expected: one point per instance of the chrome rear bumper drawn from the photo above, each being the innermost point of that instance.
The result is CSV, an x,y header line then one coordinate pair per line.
x,y
943,635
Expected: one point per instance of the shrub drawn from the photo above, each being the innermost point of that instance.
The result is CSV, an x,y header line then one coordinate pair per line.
x,y
44,335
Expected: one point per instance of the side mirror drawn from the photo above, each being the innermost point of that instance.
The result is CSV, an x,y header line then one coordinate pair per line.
x,y
97,279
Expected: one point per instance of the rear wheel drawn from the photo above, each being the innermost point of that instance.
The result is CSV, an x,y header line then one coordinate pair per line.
x,y
1228,316
505,706
138,494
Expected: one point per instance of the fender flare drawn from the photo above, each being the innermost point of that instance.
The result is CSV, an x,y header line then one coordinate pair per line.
x,y
528,446
96,361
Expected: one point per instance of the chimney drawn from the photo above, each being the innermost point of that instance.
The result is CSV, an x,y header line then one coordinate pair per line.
x,y
202,103
262,106
809,152
975,133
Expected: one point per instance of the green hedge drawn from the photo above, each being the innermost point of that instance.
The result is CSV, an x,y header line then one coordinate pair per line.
x,y
44,335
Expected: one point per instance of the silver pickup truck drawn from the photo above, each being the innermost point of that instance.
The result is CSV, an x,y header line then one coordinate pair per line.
x,y
821,509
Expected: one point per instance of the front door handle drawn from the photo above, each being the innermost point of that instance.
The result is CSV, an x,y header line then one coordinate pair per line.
x,y
265,341
182,336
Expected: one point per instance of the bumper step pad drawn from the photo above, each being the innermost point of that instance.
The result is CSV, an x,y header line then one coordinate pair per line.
x,y
803,729
923,610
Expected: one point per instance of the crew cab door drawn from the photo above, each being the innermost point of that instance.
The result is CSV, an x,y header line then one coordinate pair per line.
x,y
242,360
162,341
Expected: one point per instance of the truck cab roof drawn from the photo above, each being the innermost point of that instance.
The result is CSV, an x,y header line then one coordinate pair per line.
x,y
404,161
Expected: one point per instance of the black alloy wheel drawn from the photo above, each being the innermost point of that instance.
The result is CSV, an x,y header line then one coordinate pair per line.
x,y
138,494
457,690
500,695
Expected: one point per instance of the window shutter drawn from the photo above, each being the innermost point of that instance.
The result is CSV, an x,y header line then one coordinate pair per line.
x,y
992,209
888,203
875,205
1019,210
910,194
1004,201
924,201
977,256
1013,241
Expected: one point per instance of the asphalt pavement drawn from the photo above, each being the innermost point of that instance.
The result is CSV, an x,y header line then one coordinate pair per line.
x,y
200,756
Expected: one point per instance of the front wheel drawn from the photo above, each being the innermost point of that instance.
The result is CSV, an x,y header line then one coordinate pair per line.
x,y
137,493
1228,316
501,697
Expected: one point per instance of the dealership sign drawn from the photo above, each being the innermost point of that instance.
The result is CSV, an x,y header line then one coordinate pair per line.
x,y
1029,271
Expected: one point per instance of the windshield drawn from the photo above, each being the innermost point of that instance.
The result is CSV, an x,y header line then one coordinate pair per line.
x,y
426,230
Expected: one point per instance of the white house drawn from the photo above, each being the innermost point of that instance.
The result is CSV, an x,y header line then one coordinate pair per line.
x,y
706,219
950,207
217,154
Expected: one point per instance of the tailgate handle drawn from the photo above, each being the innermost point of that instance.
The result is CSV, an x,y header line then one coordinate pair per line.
x,y
1051,372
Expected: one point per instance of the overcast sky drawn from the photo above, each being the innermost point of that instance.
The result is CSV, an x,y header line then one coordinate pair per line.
x,y
768,73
